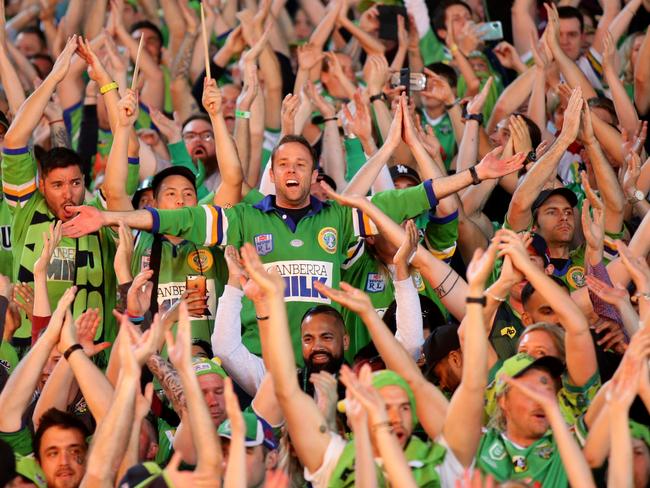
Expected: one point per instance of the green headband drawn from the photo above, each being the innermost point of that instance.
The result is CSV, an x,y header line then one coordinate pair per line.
x,y
208,366
387,377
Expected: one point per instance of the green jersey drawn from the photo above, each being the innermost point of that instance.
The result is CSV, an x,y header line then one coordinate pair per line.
x,y
19,441
177,262
540,463
314,248
5,238
86,262
444,131
362,270
72,117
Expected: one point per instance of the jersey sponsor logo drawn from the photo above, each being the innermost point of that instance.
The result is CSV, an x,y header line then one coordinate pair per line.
x,y
170,293
519,463
509,331
576,276
497,452
299,277
5,237
296,243
327,239
5,364
263,244
62,265
375,283
200,260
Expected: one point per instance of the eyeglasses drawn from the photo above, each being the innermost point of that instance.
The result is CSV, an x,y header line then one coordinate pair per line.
x,y
206,136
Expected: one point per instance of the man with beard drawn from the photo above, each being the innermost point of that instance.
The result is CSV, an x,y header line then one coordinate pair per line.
x,y
36,199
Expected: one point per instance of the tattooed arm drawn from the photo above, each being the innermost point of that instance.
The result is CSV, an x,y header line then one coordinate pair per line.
x,y
170,381
182,99
59,135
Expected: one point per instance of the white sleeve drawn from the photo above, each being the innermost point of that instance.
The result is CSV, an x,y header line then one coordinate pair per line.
x,y
244,367
321,477
451,468
408,317
383,181
418,9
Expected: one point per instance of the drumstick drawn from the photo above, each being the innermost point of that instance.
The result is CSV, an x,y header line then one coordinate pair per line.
x,y
205,45
136,71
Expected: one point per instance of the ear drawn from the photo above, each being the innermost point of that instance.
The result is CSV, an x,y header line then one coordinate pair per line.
x,y
271,460
346,342
41,184
456,357
442,33
526,319
271,173
549,270
314,176
152,451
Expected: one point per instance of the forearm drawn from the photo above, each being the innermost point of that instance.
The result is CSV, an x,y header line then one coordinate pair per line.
x,y
467,72
243,142
397,468
94,20
537,102
117,169
55,393
523,24
130,457
610,140
370,44
597,445
10,82
169,380
608,186
619,24
576,467
408,316
270,69
511,98
625,110
620,466
235,475
364,462
366,176
572,74
41,299
229,165
443,187
183,60
324,26
332,153
94,386
468,148
642,77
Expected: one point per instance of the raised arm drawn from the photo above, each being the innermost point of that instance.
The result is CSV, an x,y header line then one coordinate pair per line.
x,y
625,110
519,212
8,76
642,77
523,24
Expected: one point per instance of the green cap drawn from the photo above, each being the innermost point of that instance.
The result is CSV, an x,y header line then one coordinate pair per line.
x,y
520,363
640,431
29,468
258,431
203,366
386,377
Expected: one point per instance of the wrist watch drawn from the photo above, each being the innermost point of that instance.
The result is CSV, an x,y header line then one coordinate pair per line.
x,y
477,117
636,197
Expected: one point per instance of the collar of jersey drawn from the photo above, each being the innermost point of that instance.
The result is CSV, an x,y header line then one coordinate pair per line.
x,y
267,204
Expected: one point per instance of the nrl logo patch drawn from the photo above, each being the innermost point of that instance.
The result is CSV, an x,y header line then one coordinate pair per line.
x,y
263,244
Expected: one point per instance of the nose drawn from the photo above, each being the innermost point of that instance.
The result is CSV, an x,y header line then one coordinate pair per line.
x,y
393,416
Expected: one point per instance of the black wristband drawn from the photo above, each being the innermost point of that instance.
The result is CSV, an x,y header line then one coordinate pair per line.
x,y
452,104
475,179
327,119
477,117
378,96
266,317
480,300
531,157
71,349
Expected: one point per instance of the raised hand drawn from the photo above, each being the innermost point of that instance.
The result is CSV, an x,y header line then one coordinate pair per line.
x,y
491,166
437,88
325,108
89,219
269,281
86,328
356,201
428,138
586,133
212,100
475,105
123,254
394,136
309,55
351,298
179,349
508,56
169,128
250,88
363,391
51,240
630,171
128,109
190,17
144,345
288,113
138,298
609,294
481,266
326,393
609,52
233,261
26,303
634,142
593,226
369,21
409,245
96,70
54,328
511,244
636,266
376,73
62,64
520,135
545,396
572,116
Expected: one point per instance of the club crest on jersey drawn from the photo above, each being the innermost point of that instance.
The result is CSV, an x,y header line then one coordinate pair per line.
x,y
263,244
327,239
576,277
200,260
497,452
375,283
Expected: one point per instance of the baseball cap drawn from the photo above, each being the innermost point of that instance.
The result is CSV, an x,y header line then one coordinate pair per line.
x,y
28,468
518,364
172,170
322,176
258,431
147,474
404,171
540,248
441,341
145,185
202,366
546,194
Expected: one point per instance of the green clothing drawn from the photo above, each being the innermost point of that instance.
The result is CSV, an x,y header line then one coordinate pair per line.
x,y
176,263
362,270
354,157
19,441
493,93
86,262
312,249
444,131
5,238
180,157
540,462
72,117
433,50
166,435
423,458
573,400
8,356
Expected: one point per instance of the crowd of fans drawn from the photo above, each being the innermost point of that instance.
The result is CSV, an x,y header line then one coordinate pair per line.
x,y
324,243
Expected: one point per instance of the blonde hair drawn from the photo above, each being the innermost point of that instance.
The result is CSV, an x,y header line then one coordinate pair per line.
x,y
625,55
554,331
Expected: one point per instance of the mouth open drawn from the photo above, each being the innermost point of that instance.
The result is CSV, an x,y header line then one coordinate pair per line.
x,y
292,183
199,152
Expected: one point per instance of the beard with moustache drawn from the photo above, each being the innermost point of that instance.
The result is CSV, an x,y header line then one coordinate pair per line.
x,y
332,365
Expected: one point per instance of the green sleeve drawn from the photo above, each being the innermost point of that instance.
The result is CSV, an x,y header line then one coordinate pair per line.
x,y
133,176
432,49
441,235
72,117
20,441
8,356
18,176
406,204
354,157
574,400
253,197
207,225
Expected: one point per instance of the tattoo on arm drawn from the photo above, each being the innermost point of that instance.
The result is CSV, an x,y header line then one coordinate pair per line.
x,y
169,380
59,136
441,291
183,60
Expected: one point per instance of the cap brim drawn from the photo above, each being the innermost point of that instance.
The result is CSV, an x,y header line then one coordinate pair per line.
x,y
546,194
553,365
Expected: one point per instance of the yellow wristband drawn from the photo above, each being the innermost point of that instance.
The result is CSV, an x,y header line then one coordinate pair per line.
x,y
108,87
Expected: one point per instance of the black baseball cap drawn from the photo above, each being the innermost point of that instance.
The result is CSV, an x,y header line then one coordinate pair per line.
x,y
404,171
441,341
322,176
568,195
171,171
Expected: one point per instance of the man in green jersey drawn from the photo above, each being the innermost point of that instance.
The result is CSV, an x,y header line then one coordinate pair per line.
x,y
85,262
304,239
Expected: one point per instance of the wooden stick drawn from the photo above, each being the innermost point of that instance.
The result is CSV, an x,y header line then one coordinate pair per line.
x,y
136,71
206,52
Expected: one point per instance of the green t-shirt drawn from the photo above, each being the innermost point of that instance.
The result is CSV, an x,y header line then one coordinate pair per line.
x,y
176,263
5,239
72,117
433,50
444,131
19,441
8,356
86,262
540,462
314,249
362,270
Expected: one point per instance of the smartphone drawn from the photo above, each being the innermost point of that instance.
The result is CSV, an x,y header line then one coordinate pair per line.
x,y
388,21
198,283
491,31
416,81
